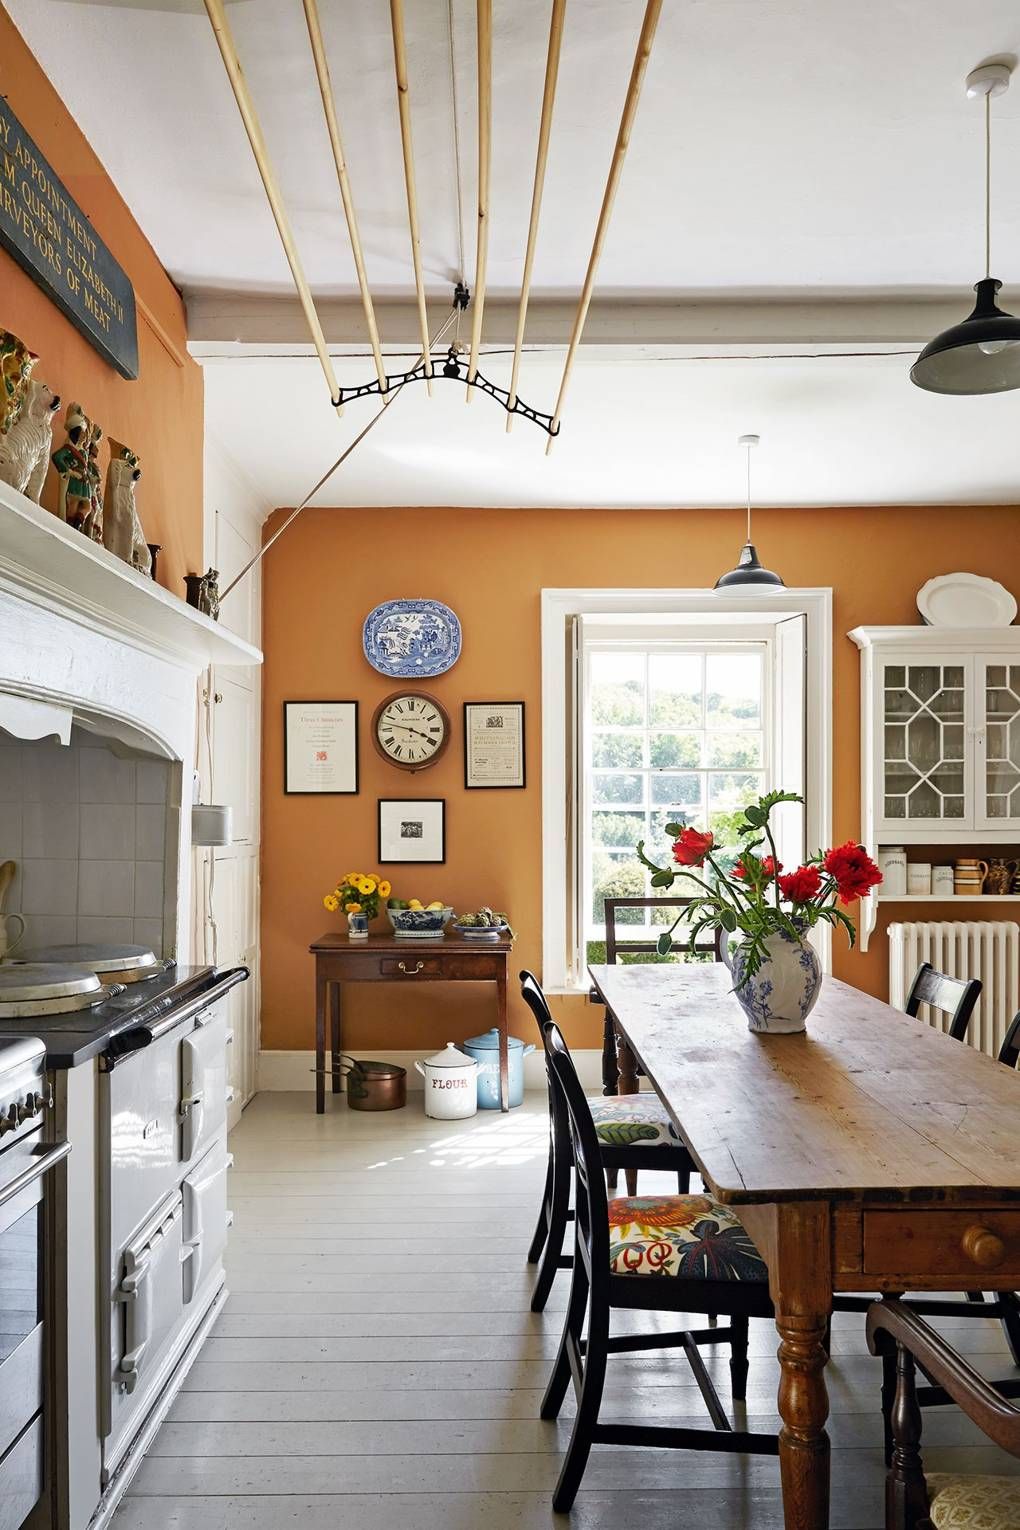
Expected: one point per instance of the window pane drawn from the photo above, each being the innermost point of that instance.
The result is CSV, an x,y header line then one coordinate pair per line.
x,y
666,749
675,685
618,689
617,751
733,690
617,829
659,842
616,876
728,795
675,789
734,749
617,788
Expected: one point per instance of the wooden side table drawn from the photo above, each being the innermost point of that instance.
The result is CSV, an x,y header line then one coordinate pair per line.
x,y
387,959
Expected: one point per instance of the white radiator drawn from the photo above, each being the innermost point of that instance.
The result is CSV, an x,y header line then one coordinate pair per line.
x,y
989,951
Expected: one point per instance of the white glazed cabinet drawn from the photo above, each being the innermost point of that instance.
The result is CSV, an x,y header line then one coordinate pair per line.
x,y
940,739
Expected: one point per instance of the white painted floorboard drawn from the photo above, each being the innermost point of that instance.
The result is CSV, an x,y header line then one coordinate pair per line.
x,y
377,1366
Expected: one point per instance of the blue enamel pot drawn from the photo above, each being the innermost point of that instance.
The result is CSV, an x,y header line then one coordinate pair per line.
x,y
485,1051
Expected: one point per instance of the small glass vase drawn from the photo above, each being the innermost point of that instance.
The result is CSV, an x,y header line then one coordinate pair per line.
x,y
357,926
778,998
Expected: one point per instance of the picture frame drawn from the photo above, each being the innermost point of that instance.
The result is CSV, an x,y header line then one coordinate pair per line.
x,y
320,748
495,757
412,831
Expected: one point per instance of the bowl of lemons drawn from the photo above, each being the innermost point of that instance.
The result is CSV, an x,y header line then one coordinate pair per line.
x,y
415,920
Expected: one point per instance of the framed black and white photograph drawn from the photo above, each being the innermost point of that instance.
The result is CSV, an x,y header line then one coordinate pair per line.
x,y
494,744
320,747
412,829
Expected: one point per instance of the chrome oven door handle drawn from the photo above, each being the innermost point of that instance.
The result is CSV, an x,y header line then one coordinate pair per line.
x,y
42,1160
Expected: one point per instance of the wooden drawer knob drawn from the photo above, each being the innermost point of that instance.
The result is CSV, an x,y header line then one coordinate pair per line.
x,y
983,1246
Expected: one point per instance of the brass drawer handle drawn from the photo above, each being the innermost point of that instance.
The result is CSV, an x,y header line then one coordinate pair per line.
x,y
983,1246
410,971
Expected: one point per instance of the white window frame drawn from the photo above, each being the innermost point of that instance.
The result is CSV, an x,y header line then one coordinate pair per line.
x,y
559,606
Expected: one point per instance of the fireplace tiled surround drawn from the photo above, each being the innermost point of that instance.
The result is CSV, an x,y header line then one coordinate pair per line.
x,y
88,829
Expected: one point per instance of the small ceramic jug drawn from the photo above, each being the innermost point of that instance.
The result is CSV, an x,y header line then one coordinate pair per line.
x,y
999,877
9,942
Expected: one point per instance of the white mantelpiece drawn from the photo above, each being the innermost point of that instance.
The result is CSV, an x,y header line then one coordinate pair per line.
x,y
103,646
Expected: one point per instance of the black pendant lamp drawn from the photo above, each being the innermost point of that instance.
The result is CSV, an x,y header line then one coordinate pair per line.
x,y
982,354
749,573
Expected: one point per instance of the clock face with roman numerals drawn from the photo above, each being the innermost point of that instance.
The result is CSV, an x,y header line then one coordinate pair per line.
x,y
411,729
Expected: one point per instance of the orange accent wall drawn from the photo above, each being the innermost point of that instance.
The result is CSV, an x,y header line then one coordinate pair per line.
x,y
159,415
332,566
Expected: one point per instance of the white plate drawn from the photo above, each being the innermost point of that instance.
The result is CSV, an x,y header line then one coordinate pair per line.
x,y
965,600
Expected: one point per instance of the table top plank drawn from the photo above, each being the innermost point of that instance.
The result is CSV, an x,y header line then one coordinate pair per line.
x,y
867,1105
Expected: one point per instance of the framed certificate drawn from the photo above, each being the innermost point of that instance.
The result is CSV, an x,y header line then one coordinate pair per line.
x,y
494,743
412,829
320,747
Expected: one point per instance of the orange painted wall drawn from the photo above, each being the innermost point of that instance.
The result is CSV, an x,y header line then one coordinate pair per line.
x,y
160,414
333,566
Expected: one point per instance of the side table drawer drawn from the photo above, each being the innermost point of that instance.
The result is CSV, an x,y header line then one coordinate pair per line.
x,y
411,965
957,1243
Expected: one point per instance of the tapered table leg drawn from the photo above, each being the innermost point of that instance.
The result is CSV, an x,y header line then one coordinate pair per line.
x,y
801,1284
502,1018
334,1036
320,1043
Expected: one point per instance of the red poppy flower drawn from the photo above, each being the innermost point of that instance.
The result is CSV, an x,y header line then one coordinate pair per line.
x,y
692,847
769,868
852,870
801,885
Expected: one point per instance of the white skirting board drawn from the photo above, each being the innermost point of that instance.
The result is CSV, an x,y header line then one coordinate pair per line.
x,y
296,1070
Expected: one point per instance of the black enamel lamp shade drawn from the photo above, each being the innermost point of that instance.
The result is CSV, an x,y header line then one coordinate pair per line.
x,y
980,355
749,572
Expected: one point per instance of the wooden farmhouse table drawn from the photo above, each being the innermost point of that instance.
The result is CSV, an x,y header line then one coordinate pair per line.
x,y
872,1153
388,959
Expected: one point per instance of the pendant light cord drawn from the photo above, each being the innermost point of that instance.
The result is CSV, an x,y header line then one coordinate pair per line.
x,y
988,184
747,448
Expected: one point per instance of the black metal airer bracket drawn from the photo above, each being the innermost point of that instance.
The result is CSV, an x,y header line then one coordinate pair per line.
x,y
454,370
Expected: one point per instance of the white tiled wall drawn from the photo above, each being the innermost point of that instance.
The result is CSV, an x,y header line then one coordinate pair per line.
x,y
88,831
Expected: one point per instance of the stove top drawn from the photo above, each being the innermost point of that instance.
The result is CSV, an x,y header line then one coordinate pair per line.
x,y
72,1038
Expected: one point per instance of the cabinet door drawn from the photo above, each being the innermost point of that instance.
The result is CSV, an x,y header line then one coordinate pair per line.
x,y
235,762
998,738
924,766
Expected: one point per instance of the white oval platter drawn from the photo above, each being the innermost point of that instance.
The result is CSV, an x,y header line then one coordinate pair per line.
x,y
965,600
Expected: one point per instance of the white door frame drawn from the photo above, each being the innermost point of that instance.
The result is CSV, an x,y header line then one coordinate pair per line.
x,y
558,605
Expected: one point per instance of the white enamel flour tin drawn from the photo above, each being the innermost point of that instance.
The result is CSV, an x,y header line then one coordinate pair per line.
x,y
451,1084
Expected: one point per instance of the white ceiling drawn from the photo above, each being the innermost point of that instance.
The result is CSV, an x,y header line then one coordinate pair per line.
x,y
781,145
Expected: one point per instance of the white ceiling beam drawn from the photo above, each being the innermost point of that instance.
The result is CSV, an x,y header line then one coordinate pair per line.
x,y
217,317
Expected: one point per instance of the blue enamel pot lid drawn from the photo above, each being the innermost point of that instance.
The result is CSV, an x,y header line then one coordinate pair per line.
x,y
491,1040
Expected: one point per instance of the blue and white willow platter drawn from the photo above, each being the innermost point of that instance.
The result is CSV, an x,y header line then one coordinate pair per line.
x,y
411,639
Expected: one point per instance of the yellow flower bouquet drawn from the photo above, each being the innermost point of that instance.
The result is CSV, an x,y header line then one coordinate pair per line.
x,y
358,892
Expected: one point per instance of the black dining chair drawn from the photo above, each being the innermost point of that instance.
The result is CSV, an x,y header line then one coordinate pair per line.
x,y
907,1344
955,997
633,1130
664,1253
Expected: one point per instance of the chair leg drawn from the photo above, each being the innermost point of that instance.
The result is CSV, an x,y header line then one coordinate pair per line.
x,y
975,1296
683,1182
888,1398
612,1178
558,1206
573,1323
588,1404
1011,1324
738,1357
630,1175
542,1226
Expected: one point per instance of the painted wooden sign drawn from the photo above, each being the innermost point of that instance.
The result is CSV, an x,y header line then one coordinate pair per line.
x,y
49,235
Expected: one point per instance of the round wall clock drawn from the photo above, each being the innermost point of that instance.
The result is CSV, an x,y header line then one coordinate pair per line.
x,y
411,729
411,639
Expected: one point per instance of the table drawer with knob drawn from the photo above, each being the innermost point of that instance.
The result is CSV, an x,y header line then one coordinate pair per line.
x,y
956,1243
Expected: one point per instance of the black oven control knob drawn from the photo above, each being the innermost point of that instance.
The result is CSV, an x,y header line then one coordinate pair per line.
x,y
9,1121
34,1105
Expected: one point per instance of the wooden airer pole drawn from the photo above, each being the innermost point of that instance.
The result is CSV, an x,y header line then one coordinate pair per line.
x,y
637,75
484,15
404,108
246,106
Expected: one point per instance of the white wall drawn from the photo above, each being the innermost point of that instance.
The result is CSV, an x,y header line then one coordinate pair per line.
x,y
228,750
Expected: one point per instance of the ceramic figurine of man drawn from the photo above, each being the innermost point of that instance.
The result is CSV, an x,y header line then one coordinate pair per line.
x,y
93,524
72,465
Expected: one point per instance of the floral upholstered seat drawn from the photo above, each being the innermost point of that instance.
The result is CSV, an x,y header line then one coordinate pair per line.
x,y
632,1120
974,1503
691,1236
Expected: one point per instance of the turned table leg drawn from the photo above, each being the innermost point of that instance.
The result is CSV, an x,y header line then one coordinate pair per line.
x,y
802,1292
502,1018
627,1064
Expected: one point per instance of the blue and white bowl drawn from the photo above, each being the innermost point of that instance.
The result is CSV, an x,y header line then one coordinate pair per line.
x,y
419,923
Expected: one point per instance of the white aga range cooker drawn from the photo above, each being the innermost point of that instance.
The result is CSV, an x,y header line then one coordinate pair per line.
x,y
137,1063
